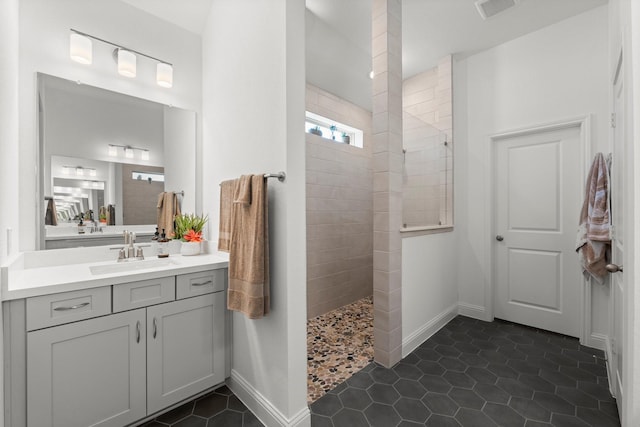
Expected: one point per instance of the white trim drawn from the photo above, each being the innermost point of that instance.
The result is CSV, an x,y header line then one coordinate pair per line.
x,y
263,409
584,123
425,332
471,310
598,341
608,356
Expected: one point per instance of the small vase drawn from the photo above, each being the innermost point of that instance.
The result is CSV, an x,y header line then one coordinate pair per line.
x,y
174,246
190,248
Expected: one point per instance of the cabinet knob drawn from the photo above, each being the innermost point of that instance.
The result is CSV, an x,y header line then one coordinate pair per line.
x,y
499,238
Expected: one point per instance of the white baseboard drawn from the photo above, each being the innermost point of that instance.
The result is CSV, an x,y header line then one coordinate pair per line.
x,y
470,310
598,341
423,333
268,414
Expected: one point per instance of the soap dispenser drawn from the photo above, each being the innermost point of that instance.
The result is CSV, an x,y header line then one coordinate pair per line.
x,y
81,226
163,246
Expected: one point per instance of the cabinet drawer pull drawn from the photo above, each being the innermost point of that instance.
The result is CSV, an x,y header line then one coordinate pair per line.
x,y
155,328
73,307
138,331
208,282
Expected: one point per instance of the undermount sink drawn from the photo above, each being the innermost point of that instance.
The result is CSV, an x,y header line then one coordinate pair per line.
x,y
118,267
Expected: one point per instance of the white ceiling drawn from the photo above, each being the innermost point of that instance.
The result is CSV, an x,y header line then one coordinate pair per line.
x,y
431,29
190,15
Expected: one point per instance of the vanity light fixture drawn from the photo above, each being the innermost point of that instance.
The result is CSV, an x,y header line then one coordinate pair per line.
x,y
129,151
80,50
78,171
126,63
164,74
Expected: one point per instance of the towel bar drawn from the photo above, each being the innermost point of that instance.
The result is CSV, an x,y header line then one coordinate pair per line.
x,y
280,175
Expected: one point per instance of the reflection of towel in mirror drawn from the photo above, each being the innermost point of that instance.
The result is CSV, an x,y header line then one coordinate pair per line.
x,y
249,248
168,208
594,232
51,216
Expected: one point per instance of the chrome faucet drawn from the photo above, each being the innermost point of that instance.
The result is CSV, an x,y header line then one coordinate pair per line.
x,y
129,251
96,227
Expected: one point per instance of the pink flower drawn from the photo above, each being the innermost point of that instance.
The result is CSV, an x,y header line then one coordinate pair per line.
x,y
193,236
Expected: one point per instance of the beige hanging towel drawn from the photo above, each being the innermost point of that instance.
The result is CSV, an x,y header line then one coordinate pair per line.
x,y
594,232
168,208
249,248
226,199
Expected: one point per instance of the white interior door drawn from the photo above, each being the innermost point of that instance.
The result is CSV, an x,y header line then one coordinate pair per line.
x,y
538,195
617,280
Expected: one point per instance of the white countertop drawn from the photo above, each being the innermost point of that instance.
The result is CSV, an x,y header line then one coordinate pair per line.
x,y
37,273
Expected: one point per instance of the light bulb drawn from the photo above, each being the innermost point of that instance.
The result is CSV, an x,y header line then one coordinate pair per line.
x,y
128,152
145,155
113,150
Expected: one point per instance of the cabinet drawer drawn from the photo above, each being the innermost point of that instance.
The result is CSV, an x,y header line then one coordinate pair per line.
x,y
56,309
205,282
128,296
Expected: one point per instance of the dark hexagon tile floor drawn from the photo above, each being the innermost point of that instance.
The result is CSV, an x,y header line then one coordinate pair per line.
x,y
474,373
220,408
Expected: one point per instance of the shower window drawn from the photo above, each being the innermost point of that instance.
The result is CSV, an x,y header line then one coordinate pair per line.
x,y
427,176
332,130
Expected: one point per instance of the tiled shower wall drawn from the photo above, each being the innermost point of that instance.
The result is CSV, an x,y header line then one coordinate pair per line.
x,y
339,209
428,174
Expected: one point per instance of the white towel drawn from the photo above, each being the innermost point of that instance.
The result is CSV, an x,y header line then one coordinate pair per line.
x,y
594,232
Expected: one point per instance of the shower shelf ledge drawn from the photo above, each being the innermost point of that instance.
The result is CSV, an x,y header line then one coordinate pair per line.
x,y
425,229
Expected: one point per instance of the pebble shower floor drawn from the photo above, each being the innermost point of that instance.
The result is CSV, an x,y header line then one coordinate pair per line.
x,y
339,344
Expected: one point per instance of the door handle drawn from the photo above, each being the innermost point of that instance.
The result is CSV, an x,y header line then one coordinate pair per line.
x,y
138,331
613,268
499,238
155,328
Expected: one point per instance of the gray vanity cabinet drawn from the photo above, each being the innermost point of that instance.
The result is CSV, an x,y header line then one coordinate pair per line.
x,y
185,353
88,365
88,373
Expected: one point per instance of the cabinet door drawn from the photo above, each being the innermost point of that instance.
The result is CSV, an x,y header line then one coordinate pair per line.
x,y
185,349
88,373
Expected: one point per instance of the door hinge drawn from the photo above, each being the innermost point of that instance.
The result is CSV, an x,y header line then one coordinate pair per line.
x,y
613,120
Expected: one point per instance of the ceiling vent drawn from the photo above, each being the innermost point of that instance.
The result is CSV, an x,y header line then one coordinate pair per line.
x,y
489,8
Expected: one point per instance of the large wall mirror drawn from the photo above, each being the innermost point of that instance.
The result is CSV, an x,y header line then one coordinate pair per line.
x,y
105,157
